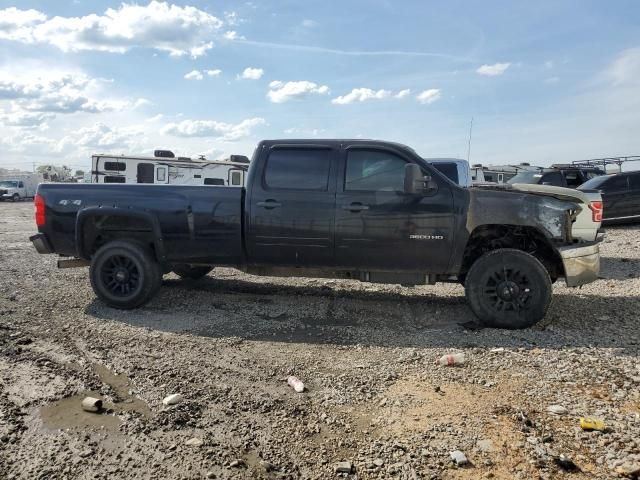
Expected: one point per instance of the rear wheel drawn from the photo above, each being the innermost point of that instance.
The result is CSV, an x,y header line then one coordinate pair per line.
x,y
189,272
124,274
508,288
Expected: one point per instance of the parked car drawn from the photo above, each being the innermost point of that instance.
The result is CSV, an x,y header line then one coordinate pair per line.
x,y
620,196
455,169
558,175
19,186
359,209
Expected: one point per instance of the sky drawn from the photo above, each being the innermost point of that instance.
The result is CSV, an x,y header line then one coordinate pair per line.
x,y
545,82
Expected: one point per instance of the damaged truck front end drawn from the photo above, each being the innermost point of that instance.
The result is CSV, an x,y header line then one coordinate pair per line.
x,y
540,223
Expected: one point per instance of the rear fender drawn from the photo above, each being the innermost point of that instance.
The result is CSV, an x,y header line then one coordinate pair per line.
x,y
141,215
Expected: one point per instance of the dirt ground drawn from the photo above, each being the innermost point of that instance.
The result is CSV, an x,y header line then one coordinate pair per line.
x,y
374,396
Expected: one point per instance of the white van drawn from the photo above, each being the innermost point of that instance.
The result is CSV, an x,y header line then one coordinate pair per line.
x,y
19,186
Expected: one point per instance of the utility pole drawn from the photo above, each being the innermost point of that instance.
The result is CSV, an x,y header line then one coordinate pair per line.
x,y
469,146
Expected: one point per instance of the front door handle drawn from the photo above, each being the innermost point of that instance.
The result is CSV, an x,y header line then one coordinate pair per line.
x,y
355,207
269,204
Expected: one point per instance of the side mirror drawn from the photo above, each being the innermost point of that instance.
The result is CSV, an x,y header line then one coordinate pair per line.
x,y
415,182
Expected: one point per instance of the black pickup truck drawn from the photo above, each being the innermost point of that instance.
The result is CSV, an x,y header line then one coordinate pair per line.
x,y
367,210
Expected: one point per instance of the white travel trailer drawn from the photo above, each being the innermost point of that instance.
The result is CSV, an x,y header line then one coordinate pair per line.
x,y
164,168
18,186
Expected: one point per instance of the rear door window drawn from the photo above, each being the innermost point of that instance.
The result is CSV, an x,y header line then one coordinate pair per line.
x,y
297,169
634,181
573,178
552,178
619,183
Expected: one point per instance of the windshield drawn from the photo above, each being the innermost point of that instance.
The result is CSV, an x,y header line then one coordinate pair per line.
x,y
526,177
594,183
8,184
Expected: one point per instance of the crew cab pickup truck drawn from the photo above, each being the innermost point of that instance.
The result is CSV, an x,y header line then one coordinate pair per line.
x,y
353,209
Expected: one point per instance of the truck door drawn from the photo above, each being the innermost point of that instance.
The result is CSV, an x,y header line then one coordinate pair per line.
x,y
146,172
378,226
292,207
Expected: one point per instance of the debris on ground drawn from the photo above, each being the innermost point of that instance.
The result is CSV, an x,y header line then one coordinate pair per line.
x,y
91,404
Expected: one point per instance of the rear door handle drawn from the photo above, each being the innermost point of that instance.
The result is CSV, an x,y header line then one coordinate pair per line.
x,y
269,204
355,207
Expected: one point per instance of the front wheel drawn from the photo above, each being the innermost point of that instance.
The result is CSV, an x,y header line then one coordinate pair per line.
x,y
189,272
16,197
508,288
124,274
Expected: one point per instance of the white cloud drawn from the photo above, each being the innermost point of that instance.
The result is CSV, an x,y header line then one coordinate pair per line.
x,y
308,23
551,80
429,96
141,102
625,69
280,92
23,119
212,128
233,35
313,132
193,75
493,70
403,93
214,73
155,118
57,92
549,64
361,95
250,73
101,137
158,25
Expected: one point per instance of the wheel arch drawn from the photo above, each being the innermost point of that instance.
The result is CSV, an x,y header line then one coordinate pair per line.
x,y
529,239
93,224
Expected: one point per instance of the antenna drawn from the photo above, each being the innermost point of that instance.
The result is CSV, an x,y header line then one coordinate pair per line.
x,y
469,146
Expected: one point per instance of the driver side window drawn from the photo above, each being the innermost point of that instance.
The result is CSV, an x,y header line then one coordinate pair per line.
x,y
374,171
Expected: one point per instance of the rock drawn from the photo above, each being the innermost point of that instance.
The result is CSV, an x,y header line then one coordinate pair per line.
x,y
629,469
211,475
194,442
268,467
86,453
236,463
172,399
459,458
378,462
91,404
557,410
566,464
485,445
343,467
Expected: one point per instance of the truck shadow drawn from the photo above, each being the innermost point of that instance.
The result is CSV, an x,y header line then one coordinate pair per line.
x,y
394,317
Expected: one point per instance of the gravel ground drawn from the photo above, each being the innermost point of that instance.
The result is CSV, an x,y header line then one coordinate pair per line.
x,y
374,397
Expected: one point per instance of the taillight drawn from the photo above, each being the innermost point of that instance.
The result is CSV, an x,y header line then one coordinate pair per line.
x,y
596,211
38,202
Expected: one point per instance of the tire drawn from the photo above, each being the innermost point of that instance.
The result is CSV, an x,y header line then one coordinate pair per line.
x,y
15,198
124,274
191,273
508,288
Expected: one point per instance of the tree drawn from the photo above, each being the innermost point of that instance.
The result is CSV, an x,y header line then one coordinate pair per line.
x,y
79,173
54,173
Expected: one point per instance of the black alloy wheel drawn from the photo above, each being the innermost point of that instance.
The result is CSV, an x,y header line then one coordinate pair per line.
x,y
508,288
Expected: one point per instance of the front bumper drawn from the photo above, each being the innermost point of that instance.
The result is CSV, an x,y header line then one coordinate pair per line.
x,y
41,242
581,263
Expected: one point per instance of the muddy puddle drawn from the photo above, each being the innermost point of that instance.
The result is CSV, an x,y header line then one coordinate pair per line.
x,y
67,413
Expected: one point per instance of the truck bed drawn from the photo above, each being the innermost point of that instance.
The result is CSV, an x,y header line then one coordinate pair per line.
x,y
196,223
